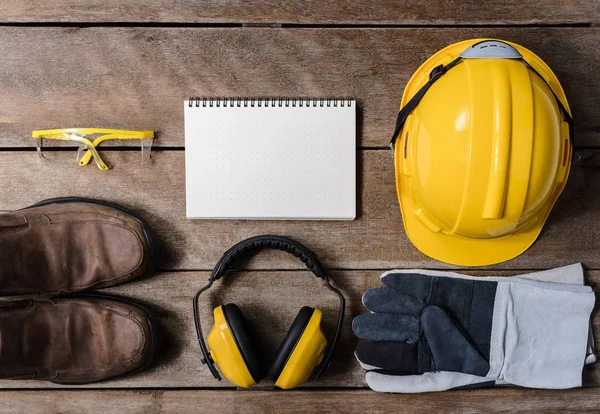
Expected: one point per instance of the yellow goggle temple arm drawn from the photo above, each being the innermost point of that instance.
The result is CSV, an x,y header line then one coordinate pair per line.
x,y
70,134
84,158
91,131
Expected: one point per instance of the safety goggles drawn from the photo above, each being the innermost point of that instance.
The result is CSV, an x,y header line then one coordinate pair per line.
x,y
87,148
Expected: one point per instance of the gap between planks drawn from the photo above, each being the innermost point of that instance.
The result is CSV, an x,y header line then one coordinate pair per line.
x,y
176,25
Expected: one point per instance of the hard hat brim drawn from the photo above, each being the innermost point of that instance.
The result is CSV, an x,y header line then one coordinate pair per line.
x,y
464,251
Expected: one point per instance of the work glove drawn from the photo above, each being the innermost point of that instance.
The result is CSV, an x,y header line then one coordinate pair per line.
x,y
434,331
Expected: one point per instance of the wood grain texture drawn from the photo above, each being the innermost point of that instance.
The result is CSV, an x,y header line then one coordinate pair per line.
x,y
405,12
364,401
137,78
375,240
270,301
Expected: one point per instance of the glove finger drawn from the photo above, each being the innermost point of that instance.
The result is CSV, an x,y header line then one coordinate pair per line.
x,y
427,382
413,284
389,356
386,327
392,301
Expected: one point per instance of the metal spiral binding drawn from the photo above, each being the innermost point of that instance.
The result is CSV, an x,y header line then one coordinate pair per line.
x,y
231,102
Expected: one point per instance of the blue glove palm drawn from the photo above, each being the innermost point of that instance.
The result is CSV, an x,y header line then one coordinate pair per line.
x,y
427,323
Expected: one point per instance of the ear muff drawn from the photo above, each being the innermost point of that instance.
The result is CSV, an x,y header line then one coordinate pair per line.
x,y
231,347
301,351
300,355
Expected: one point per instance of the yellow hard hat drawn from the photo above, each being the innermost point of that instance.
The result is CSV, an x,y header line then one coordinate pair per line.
x,y
482,150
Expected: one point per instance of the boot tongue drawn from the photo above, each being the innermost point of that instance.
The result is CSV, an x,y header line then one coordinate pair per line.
x,y
11,219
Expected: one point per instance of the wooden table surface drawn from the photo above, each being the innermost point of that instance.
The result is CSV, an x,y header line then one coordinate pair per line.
x,y
130,64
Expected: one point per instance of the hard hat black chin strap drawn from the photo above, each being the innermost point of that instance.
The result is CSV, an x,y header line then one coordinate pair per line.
x,y
406,110
561,107
438,72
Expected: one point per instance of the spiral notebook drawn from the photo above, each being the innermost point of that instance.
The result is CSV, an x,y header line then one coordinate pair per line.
x,y
270,158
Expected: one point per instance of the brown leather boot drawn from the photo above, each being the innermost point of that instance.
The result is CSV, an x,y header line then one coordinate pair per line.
x,y
74,340
71,244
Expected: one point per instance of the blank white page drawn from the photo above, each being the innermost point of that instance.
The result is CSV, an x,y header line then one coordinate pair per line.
x,y
270,161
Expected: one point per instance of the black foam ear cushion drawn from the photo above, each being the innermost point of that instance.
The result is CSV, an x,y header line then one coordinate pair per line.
x,y
289,342
244,340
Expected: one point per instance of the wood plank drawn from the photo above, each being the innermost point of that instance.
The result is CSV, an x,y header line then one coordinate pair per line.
x,y
137,78
162,401
270,300
376,240
406,12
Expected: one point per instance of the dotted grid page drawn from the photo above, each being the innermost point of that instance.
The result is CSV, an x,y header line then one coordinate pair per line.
x,y
271,162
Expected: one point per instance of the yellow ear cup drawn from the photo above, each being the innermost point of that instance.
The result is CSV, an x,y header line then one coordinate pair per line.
x,y
226,354
306,355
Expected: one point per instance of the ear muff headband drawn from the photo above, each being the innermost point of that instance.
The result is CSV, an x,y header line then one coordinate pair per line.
x,y
256,244
250,247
